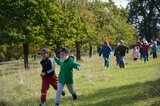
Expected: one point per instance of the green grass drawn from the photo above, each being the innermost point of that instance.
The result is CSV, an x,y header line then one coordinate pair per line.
x,y
136,85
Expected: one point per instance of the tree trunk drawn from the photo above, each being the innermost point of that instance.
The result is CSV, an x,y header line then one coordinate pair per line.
x,y
78,51
149,34
90,50
98,49
25,50
34,57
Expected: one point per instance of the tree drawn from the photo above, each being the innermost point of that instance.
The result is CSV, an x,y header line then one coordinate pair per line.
x,y
24,21
111,23
77,28
144,14
72,23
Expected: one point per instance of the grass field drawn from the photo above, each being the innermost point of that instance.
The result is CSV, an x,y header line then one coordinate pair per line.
x,y
136,85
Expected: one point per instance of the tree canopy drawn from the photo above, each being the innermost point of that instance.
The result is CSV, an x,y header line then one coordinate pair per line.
x,y
56,23
144,14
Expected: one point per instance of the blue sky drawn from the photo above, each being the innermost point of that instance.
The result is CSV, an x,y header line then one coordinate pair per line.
x,y
120,2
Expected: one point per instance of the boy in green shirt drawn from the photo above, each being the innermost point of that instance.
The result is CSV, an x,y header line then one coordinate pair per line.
x,y
66,74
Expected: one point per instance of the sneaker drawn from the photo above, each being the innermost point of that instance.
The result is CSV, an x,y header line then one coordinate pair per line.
x,y
42,104
63,93
123,66
56,104
74,97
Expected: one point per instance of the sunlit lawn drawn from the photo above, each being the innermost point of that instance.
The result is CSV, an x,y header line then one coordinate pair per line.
x,y
136,85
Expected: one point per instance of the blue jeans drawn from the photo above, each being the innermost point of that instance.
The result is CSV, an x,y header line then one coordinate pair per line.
x,y
121,58
145,56
117,59
154,55
106,61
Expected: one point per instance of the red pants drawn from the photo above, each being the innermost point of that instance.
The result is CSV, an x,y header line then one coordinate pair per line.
x,y
46,81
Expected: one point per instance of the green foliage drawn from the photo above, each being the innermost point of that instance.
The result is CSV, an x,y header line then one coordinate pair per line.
x,y
144,14
111,23
10,52
49,23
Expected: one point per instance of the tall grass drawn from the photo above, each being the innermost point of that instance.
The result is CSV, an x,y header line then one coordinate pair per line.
x,y
136,85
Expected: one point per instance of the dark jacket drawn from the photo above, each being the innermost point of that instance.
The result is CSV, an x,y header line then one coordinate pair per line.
x,y
48,67
116,51
105,51
122,50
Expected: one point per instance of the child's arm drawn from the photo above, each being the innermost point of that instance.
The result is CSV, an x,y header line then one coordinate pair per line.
x,y
110,49
75,65
52,67
149,45
138,54
57,60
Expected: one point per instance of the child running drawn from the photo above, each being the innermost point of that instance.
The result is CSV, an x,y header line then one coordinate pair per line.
x,y
154,50
122,50
48,75
135,53
145,46
66,74
106,51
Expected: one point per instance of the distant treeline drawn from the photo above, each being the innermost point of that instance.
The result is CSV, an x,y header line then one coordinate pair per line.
x,y
28,25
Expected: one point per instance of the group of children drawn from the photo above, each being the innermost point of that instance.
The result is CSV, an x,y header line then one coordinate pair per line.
x,y
120,52
141,50
65,76
67,64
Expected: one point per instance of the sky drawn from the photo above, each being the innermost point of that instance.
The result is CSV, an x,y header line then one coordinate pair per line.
x,y
120,2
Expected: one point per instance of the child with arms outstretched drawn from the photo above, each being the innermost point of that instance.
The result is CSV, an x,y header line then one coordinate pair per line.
x,y
65,76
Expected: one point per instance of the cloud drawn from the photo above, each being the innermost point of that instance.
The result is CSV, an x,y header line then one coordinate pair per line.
x,y
119,2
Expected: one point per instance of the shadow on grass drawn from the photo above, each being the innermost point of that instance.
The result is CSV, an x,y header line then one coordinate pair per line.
x,y
36,101
115,96
5,103
125,95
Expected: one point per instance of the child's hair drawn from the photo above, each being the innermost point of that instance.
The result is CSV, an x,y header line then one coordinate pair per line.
x,y
145,42
118,44
64,49
106,42
121,42
135,48
155,42
43,50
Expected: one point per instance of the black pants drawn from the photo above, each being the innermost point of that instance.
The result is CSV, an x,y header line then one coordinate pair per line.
x,y
154,55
